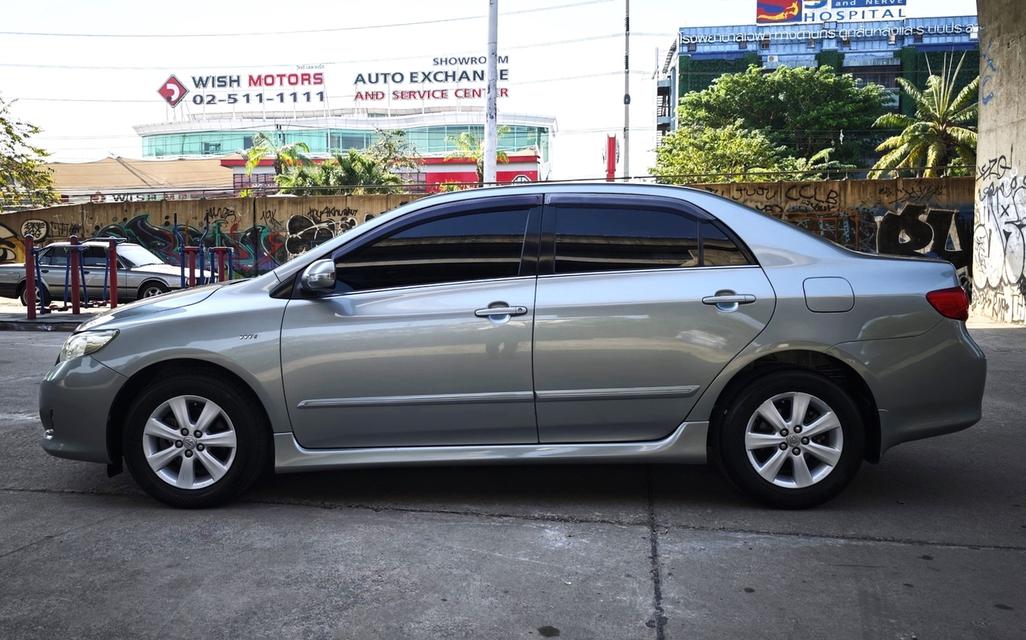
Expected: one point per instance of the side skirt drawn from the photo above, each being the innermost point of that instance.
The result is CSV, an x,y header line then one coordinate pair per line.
x,y
686,445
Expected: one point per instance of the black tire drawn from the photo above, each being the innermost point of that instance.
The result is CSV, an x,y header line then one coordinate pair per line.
x,y
150,289
44,296
733,453
252,432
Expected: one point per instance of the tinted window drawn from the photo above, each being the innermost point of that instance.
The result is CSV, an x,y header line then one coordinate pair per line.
x,y
475,246
606,239
94,257
56,256
718,250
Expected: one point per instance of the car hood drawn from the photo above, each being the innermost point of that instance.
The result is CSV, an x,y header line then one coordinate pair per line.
x,y
148,306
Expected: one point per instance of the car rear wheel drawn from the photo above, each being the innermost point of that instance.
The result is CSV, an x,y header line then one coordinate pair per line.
x,y
792,439
195,441
150,289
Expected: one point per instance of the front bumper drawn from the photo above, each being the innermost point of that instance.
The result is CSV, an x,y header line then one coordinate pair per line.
x,y
74,402
924,386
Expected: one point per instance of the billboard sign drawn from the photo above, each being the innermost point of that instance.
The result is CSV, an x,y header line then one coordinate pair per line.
x,y
443,78
302,87
770,12
778,11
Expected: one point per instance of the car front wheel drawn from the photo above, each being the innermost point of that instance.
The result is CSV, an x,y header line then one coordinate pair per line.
x,y
194,441
42,296
792,439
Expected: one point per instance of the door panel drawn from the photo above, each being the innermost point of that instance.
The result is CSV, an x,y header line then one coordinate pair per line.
x,y
411,367
623,356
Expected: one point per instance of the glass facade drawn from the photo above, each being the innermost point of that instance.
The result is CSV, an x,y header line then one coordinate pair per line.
x,y
429,140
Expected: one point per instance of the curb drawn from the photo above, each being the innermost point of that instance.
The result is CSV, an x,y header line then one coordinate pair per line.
x,y
56,324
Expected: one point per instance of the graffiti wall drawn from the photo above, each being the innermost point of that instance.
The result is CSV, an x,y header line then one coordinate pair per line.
x,y
904,217
263,232
999,236
929,216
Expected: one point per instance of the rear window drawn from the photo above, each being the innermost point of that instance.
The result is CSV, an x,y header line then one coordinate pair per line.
x,y
718,250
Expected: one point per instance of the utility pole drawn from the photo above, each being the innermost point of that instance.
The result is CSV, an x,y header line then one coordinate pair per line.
x,y
491,110
627,90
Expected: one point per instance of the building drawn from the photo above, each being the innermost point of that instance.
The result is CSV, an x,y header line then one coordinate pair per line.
x,y
874,40
132,180
525,139
432,173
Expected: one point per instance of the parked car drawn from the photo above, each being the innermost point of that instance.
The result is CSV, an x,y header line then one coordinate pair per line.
x,y
548,323
141,273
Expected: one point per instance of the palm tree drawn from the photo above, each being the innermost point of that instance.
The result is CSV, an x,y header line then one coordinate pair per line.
x,y
285,156
359,173
942,130
306,180
351,172
470,146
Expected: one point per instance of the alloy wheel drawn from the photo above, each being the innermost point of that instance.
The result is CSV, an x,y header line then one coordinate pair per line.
x,y
796,451
189,442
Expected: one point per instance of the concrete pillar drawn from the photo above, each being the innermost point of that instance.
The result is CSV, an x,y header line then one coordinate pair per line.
x,y
999,236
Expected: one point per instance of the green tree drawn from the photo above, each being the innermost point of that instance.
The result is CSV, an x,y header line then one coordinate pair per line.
x,y
801,108
360,173
470,146
817,167
941,135
351,172
716,154
24,176
285,156
394,150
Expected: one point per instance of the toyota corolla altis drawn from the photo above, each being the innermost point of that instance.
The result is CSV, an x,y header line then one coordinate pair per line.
x,y
548,323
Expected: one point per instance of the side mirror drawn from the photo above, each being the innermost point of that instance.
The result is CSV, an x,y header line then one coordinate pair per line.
x,y
318,277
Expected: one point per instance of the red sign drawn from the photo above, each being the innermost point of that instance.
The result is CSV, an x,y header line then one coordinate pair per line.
x,y
173,91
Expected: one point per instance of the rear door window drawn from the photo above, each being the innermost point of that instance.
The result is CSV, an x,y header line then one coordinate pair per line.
x,y
94,256
590,239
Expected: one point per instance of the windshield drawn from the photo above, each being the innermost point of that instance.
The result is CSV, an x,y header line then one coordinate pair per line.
x,y
137,256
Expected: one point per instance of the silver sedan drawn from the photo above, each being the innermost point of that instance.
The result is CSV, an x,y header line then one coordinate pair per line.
x,y
140,273
547,323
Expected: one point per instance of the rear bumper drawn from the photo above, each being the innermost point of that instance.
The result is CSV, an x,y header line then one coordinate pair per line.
x,y
74,401
924,386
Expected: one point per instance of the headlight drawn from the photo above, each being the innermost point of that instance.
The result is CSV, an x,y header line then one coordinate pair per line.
x,y
82,344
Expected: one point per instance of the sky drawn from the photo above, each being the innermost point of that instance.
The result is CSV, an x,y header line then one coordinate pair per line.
x,y
565,59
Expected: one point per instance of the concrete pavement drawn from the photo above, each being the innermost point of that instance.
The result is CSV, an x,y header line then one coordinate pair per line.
x,y
929,544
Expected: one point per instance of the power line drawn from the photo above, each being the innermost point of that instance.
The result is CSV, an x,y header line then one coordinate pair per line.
x,y
532,45
50,34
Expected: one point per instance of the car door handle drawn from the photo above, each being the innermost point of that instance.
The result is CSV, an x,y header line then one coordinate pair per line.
x,y
492,312
734,298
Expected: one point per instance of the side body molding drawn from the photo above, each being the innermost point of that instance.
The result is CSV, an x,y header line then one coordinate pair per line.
x,y
686,445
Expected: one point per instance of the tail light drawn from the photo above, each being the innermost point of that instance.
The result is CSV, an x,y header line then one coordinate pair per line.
x,y
951,303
